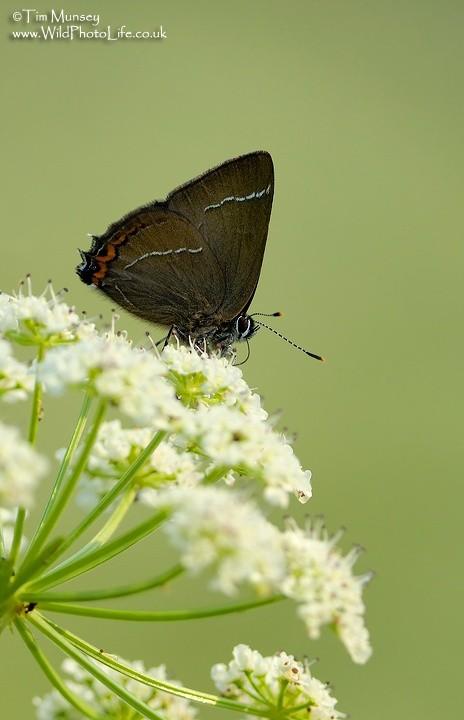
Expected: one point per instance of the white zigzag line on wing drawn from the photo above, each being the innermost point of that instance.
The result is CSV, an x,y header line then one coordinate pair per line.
x,y
238,198
164,252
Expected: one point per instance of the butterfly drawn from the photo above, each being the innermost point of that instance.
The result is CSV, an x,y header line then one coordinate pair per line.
x,y
191,262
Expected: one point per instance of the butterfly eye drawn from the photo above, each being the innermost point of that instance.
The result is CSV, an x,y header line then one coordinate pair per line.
x,y
243,325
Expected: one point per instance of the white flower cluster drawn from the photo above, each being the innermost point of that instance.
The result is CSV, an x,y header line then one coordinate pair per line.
x,y
249,446
215,428
21,467
30,319
130,378
214,528
116,448
16,379
201,378
103,702
321,580
278,681
219,529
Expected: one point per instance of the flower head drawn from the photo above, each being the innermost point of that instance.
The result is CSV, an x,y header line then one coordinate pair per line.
x,y
96,695
202,379
247,444
38,320
321,580
117,447
213,527
16,379
130,378
278,680
21,467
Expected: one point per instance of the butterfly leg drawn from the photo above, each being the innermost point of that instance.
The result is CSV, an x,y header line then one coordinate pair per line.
x,y
167,338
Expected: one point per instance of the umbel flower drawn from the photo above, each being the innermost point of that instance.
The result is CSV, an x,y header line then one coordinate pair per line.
x,y
278,681
21,468
173,441
53,706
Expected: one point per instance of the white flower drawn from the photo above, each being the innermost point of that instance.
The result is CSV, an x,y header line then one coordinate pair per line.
x,y
208,379
20,469
279,680
248,445
16,379
321,580
129,377
102,701
7,525
216,528
117,447
32,319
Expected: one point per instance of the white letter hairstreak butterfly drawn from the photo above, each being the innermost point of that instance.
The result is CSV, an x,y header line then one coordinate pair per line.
x,y
192,262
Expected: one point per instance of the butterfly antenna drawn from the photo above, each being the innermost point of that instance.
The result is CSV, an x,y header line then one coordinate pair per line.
x,y
274,314
290,342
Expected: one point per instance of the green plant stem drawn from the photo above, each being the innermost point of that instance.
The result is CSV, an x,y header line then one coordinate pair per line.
x,y
87,560
111,496
17,535
67,641
25,573
37,564
114,521
156,615
100,538
36,401
100,675
52,675
32,435
105,593
215,475
44,527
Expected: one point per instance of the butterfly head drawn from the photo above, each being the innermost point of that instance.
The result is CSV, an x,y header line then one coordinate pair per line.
x,y
222,337
245,327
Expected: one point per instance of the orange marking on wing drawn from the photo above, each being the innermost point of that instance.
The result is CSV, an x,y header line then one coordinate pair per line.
x,y
121,237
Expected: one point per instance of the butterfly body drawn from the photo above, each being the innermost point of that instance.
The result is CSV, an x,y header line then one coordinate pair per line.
x,y
191,262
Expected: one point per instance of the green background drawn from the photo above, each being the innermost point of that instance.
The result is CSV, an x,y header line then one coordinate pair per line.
x,y
361,105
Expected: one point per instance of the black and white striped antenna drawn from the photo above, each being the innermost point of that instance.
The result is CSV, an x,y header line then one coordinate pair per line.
x,y
290,342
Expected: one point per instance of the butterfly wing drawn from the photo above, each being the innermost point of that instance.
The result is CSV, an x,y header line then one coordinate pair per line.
x,y
231,208
154,264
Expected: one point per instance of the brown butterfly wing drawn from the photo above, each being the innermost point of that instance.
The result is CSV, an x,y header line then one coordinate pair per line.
x,y
231,207
154,264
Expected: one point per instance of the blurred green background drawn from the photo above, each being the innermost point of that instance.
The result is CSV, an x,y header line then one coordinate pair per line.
x,y
361,105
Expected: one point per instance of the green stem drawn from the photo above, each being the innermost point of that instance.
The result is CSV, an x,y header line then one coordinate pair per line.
x,y
115,519
44,526
24,573
100,538
111,496
67,641
103,677
280,699
215,475
155,615
84,561
52,675
37,564
297,708
17,535
261,696
33,427
105,593
36,401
